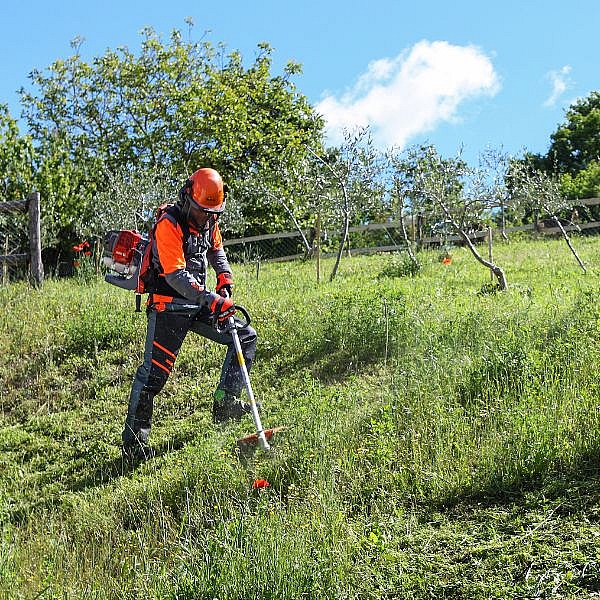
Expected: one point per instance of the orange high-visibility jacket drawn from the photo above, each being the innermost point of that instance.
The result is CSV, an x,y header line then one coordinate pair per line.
x,y
180,255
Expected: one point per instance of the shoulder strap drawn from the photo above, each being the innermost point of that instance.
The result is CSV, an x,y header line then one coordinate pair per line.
x,y
175,211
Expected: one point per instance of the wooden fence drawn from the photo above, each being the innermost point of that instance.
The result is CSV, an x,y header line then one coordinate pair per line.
x,y
245,251
280,247
34,256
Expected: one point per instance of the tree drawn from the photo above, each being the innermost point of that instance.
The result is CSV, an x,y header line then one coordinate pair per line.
x,y
294,185
496,165
352,171
574,153
68,180
462,193
399,189
16,180
16,159
534,191
130,199
178,105
576,143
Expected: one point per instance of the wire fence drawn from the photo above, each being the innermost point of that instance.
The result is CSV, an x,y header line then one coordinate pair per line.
x,y
382,237
14,239
19,246
20,240
292,245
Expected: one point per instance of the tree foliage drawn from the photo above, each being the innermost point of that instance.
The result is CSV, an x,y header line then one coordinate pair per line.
x,y
16,177
178,105
574,153
130,198
576,143
16,159
584,184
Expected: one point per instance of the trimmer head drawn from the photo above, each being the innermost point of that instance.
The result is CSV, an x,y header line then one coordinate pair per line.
x,y
252,439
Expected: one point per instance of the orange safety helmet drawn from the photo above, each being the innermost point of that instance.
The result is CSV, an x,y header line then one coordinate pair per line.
x,y
205,189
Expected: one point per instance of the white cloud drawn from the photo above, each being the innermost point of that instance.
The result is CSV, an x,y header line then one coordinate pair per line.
x,y
560,82
401,97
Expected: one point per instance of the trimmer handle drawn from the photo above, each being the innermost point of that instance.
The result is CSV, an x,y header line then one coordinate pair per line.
x,y
231,323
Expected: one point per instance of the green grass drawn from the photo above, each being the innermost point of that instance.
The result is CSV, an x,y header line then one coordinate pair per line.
x,y
442,442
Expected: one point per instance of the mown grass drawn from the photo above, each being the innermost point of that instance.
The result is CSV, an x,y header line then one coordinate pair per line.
x,y
442,442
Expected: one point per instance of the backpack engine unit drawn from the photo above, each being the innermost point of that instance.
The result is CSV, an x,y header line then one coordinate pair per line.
x,y
123,254
128,257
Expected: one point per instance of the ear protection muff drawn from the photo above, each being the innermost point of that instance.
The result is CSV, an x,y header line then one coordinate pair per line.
x,y
185,193
185,198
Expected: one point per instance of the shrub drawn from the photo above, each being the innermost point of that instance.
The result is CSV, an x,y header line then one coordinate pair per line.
x,y
401,266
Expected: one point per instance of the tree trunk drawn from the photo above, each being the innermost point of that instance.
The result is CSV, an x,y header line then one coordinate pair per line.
x,y
411,254
341,248
495,269
568,240
305,242
318,246
503,215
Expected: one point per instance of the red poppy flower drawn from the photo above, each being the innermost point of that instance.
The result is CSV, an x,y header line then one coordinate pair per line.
x,y
84,246
259,484
447,261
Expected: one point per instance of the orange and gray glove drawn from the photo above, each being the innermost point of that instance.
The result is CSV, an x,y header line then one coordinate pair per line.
x,y
225,284
222,308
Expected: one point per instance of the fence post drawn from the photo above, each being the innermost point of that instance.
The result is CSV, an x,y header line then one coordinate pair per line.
x,y
35,239
318,246
490,251
5,264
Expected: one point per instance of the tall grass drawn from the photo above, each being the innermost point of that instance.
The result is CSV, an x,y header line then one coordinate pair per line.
x,y
441,442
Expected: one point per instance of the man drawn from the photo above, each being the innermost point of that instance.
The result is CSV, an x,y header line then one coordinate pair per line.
x,y
186,238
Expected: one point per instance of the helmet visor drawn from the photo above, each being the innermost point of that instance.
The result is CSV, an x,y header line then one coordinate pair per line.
x,y
217,210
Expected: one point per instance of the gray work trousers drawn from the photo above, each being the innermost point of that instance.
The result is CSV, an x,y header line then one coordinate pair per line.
x,y
164,336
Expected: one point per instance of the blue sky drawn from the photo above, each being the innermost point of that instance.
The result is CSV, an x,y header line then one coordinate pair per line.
x,y
470,74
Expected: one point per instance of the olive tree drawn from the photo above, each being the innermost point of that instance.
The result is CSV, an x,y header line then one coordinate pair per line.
x,y
536,191
352,187
295,185
461,193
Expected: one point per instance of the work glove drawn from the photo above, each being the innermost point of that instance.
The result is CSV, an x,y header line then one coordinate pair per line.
x,y
225,284
222,308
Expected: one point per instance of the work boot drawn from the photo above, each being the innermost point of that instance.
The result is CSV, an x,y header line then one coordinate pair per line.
x,y
136,452
227,407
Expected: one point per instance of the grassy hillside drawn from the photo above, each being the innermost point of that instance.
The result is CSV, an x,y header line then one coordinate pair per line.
x,y
443,442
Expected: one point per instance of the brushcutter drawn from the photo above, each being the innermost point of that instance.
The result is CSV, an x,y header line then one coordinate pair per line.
x,y
261,436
